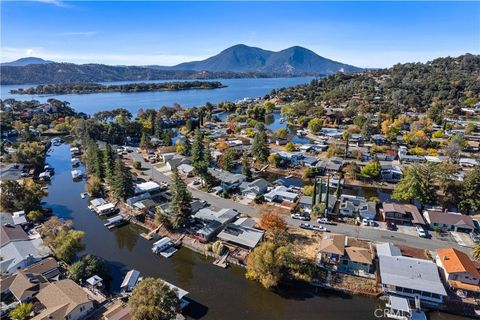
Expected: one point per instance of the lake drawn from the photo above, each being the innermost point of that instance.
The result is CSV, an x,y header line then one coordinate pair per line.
x,y
236,89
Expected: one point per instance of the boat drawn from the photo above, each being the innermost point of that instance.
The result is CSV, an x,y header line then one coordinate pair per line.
x,y
116,221
281,120
77,174
164,247
301,133
399,308
83,195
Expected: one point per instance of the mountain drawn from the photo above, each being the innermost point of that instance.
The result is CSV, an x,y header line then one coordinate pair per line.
x,y
295,61
26,61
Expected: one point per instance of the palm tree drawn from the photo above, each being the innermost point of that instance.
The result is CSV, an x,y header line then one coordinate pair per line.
x,y
476,252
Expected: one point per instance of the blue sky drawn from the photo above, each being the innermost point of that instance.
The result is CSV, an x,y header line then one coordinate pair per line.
x,y
371,34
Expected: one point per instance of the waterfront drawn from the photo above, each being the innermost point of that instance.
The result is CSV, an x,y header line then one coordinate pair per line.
x,y
90,103
216,293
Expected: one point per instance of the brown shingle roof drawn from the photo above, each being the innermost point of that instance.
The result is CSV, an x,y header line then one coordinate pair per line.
x,y
333,243
11,233
61,297
449,218
360,255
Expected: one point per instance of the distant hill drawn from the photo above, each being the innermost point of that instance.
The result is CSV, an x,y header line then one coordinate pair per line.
x,y
26,61
294,60
53,73
239,61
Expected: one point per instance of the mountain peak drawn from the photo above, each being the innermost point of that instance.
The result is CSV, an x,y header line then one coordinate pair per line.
x,y
26,61
293,60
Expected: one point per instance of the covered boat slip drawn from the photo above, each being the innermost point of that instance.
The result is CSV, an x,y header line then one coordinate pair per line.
x,y
399,308
165,247
115,222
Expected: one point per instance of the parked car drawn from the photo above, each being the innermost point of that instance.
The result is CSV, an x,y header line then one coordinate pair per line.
x,y
475,237
325,221
421,232
320,228
391,226
299,216
365,222
372,223
306,226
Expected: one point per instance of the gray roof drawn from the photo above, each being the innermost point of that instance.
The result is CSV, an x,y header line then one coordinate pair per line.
x,y
12,171
388,249
17,251
226,176
222,216
11,233
411,273
6,218
244,236
306,200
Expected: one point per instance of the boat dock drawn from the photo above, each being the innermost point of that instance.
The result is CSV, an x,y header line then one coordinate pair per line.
x,y
222,261
116,221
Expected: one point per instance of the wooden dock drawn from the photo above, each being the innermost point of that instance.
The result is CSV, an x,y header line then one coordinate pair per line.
x,y
222,261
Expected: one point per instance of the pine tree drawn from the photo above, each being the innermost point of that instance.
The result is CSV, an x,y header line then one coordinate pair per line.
x,y
197,147
314,196
181,200
122,182
327,193
260,144
108,162
246,168
145,141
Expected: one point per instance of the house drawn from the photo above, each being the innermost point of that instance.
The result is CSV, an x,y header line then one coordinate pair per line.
x,y
293,158
176,161
404,157
25,283
280,194
130,280
468,162
214,222
185,169
351,205
410,277
401,214
228,180
309,161
305,203
238,234
13,171
329,166
449,221
149,186
458,269
18,251
391,172
336,254
16,218
253,189
117,311
63,299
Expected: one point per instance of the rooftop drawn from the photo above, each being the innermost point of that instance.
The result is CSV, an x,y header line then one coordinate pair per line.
x,y
454,261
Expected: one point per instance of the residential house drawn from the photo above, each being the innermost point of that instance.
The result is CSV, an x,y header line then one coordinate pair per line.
x,y
213,222
240,233
253,189
63,299
404,157
352,205
458,269
332,248
468,162
409,277
310,162
13,171
228,180
185,170
449,221
391,172
118,310
146,187
305,202
18,251
280,194
331,166
401,214
293,158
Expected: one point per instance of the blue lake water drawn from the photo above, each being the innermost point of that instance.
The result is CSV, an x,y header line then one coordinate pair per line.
x,y
236,89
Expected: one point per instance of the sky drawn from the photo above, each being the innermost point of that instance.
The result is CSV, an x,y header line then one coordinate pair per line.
x,y
364,34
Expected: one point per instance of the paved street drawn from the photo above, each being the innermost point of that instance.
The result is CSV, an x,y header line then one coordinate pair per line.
x,y
361,232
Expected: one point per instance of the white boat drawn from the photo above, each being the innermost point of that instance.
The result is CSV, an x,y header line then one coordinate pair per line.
x,y
163,246
301,133
281,120
116,221
77,174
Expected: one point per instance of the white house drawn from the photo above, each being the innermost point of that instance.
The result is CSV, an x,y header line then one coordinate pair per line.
x,y
280,194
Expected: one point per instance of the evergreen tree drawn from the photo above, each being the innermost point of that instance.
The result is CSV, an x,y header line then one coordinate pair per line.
x,y
314,196
260,144
108,162
145,141
246,171
197,147
181,200
122,181
93,158
470,200
417,183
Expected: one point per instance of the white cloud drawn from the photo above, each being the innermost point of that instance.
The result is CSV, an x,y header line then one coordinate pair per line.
x,y
78,33
57,3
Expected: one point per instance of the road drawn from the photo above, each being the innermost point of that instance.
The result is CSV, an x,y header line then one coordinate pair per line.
x,y
361,232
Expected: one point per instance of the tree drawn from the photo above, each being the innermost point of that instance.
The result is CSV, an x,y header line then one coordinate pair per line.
x,y
372,170
35,216
246,171
67,244
30,153
469,199
108,162
137,165
315,125
274,225
15,197
87,267
153,299
145,142
93,158
267,264
454,147
94,186
227,161
122,181
308,173
319,210
290,147
476,252
282,133
417,183
218,247
260,144
22,311
181,200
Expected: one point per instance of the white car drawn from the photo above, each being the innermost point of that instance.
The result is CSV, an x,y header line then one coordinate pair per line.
x,y
299,216
421,232
365,222
319,228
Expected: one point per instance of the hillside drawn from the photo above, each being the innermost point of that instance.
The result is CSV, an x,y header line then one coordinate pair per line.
x,y
441,84
294,60
26,61
53,73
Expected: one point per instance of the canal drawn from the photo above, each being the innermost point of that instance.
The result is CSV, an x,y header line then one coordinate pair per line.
x,y
216,293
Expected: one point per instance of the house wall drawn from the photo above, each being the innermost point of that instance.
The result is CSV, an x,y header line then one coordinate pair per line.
x,y
426,298
80,312
348,266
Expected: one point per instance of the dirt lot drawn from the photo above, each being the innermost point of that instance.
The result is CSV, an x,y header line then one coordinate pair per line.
x,y
305,243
